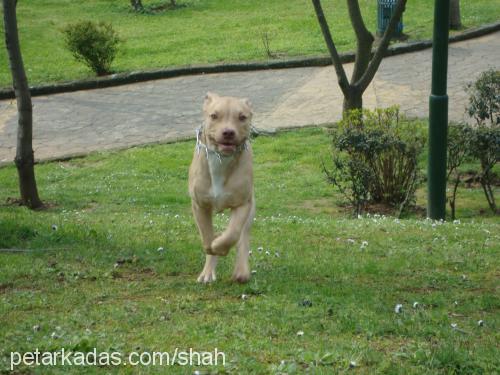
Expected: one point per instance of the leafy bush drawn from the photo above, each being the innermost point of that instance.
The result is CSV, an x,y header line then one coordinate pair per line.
x,y
459,144
486,149
95,44
484,99
481,142
375,158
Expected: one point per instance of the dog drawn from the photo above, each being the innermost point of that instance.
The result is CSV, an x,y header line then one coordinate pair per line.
x,y
221,177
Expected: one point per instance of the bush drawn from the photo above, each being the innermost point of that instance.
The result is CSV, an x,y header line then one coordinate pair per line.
x,y
459,144
484,99
486,149
95,44
375,158
481,142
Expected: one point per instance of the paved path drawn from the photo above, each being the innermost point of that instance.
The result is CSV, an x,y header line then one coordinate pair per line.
x,y
162,110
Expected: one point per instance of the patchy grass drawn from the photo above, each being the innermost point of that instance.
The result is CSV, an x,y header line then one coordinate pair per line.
x,y
93,276
203,31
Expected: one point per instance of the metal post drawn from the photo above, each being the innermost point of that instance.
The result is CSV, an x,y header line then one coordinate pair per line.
x,y
438,114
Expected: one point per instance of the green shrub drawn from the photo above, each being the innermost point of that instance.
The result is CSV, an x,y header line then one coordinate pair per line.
x,y
484,99
480,142
95,44
484,107
375,158
459,145
486,149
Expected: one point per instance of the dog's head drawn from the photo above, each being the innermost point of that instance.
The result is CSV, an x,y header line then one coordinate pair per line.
x,y
227,122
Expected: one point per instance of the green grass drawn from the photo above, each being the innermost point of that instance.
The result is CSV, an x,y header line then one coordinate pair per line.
x,y
102,283
204,31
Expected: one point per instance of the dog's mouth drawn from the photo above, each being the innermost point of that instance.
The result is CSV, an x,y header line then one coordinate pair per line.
x,y
226,147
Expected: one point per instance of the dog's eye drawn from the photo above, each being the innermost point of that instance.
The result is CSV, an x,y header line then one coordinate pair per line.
x,y
242,117
214,116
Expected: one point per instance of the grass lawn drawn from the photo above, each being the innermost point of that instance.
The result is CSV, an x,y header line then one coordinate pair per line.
x,y
101,282
204,31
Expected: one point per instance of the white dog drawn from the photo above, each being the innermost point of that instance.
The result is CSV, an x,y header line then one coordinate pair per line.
x,y
221,177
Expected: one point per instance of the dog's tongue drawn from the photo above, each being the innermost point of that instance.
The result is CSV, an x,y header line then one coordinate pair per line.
x,y
227,147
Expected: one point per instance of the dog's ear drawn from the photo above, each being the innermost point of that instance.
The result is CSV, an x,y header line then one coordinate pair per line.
x,y
248,103
209,97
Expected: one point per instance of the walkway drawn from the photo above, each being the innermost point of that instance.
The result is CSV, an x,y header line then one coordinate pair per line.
x,y
169,109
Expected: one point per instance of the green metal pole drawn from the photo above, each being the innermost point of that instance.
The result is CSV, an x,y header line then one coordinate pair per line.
x,y
438,114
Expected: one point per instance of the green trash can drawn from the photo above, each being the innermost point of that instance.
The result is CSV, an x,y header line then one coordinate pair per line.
x,y
385,8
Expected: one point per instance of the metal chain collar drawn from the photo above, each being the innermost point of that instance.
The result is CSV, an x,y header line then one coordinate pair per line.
x,y
199,145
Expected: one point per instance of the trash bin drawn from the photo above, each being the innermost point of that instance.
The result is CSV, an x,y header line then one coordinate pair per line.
x,y
385,8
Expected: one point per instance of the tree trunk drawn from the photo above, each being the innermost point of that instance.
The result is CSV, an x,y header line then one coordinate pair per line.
x,y
455,21
366,64
137,5
354,100
364,41
25,159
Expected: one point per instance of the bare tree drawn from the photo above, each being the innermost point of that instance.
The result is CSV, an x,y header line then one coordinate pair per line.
x,y
455,19
25,158
366,62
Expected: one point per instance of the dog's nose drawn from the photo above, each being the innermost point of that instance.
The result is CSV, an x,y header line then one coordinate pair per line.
x,y
228,133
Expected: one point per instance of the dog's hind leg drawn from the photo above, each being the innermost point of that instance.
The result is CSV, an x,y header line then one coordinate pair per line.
x,y
208,273
241,271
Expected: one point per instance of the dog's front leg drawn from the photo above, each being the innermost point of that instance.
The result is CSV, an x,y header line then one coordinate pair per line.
x,y
208,273
203,218
241,271
239,216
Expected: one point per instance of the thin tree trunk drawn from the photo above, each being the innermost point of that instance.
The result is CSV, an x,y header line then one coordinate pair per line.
x,y
337,63
137,5
364,40
454,196
365,65
455,19
25,159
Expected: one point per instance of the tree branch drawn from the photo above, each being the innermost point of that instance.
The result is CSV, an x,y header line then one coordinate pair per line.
x,y
367,77
364,40
339,69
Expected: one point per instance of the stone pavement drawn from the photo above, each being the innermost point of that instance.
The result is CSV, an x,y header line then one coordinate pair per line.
x,y
165,110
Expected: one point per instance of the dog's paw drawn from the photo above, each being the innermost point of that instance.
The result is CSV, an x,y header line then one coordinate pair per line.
x,y
221,246
207,277
241,277
241,273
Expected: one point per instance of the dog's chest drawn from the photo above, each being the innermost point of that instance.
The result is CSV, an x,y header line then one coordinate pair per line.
x,y
219,168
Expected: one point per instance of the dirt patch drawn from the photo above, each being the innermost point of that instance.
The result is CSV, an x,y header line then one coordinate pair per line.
x,y
319,206
5,287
